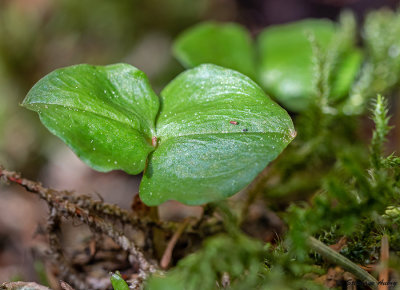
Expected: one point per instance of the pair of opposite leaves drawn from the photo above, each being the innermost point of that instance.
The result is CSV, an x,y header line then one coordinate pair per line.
x,y
282,60
210,133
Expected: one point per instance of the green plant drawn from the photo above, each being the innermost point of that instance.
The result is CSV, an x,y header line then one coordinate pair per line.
x,y
281,59
210,134
213,130
118,282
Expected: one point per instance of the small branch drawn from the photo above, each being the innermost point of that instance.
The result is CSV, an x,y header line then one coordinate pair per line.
x,y
64,207
166,258
369,268
84,201
22,285
113,211
339,245
65,286
342,261
384,273
66,271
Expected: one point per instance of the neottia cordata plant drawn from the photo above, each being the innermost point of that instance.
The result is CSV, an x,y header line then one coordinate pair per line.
x,y
208,135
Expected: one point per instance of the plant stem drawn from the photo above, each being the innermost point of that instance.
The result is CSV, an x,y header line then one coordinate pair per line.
x,y
167,256
253,190
342,261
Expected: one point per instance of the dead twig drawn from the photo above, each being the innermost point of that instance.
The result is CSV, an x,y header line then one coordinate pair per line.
x,y
65,286
83,201
339,245
64,205
384,273
56,252
166,258
369,268
114,212
22,285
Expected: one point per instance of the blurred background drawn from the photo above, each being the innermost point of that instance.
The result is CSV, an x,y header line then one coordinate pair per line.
x,y
38,36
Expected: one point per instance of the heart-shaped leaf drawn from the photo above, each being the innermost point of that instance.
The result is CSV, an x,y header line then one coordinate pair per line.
x,y
105,114
284,66
215,132
228,45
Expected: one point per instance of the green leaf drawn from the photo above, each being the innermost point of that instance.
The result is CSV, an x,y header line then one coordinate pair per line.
x,y
105,114
286,68
345,73
117,282
217,130
228,45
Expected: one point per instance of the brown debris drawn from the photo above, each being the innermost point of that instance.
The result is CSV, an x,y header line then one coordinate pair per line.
x,y
351,281
65,286
333,277
384,259
87,211
22,285
31,286
340,244
166,259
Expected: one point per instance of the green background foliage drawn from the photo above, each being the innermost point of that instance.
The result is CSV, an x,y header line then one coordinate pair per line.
x,y
228,45
283,56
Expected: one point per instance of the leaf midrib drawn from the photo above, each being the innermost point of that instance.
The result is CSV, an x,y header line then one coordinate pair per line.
x,y
74,109
125,110
163,139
